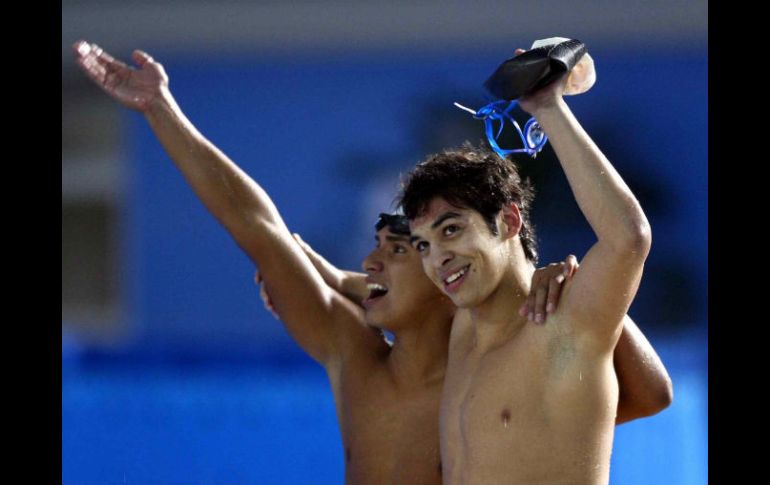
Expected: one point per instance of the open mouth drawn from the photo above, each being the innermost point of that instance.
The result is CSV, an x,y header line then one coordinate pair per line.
x,y
376,291
455,279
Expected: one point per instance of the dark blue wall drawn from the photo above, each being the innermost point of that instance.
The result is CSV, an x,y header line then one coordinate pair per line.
x,y
210,389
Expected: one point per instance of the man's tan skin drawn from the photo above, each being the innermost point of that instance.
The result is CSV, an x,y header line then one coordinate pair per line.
x,y
534,404
387,396
645,387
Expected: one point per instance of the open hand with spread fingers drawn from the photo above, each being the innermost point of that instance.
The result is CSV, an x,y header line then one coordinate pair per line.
x,y
135,88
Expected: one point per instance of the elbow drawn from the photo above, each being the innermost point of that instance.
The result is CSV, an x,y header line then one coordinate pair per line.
x,y
665,396
636,238
659,398
656,398
642,236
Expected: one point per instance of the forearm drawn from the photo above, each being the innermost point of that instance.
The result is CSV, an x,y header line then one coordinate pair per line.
x,y
350,284
353,286
644,384
236,200
604,198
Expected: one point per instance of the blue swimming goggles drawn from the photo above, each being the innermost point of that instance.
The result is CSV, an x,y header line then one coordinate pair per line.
x,y
533,137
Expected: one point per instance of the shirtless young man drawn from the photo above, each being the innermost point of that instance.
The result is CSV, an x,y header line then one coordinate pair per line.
x,y
527,404
387,396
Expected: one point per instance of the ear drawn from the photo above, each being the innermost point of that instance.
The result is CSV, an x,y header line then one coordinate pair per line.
x,y
510,225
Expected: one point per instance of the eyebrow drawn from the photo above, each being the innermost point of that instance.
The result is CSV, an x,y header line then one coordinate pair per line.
x,y
443,217
437,222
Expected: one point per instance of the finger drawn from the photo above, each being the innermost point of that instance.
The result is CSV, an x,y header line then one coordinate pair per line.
x,y
93,70
141,57
104,58
540,299
111,64
524,310
267,301
84,55
529,305
265,297
81,48
101,67
518,51
571,265
554,291
99,56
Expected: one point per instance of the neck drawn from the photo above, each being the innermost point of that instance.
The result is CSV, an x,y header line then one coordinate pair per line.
x,y
419,353
497,318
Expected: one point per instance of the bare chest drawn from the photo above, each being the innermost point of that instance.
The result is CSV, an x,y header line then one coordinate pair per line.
x,y
520,410
389,435
501,391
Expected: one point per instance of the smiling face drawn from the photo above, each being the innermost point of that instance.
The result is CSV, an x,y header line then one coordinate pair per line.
x,y
399,292
459,252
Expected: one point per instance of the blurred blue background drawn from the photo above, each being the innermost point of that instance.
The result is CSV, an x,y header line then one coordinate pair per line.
x,y
172,371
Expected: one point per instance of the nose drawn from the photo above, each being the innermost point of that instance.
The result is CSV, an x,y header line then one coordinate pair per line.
x,y
441,257
372,263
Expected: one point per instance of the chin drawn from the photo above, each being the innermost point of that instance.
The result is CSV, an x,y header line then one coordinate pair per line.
x,y
465,300
461,303
373,320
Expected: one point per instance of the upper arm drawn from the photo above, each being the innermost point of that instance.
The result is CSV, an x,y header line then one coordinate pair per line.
x,y
596,299
318,318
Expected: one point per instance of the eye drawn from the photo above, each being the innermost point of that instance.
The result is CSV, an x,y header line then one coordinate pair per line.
x,y
399,249
421,246
450,229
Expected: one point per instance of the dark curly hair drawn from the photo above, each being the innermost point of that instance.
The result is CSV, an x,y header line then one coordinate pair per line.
x,y
472,178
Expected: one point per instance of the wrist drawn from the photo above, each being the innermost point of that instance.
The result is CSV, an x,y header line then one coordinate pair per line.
x,y
549,107
162,104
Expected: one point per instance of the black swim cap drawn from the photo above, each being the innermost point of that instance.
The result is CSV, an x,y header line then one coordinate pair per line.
x,y
397,223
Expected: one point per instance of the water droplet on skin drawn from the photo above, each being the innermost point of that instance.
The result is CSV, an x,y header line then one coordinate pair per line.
x,y
581,376
506,415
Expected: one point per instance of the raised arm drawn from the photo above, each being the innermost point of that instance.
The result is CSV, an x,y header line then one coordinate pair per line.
x,y
600,294
350,283
309,308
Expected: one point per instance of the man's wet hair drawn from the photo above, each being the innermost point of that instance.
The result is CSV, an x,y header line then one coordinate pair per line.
x,y
474,178
396,223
